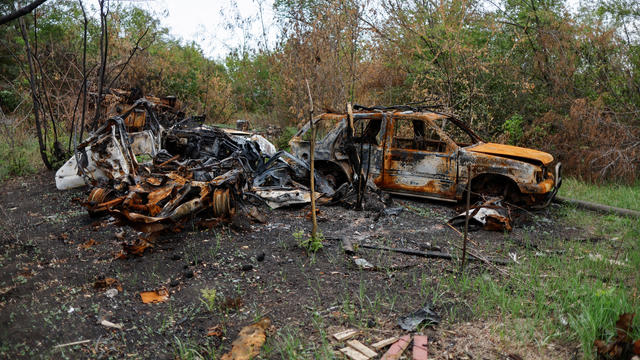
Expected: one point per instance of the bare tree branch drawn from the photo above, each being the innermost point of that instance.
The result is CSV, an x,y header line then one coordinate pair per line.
x,y
20,12
131,54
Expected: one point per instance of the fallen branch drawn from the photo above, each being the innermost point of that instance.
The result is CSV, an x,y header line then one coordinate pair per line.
x,y
72,343
437,254
597,207
20,12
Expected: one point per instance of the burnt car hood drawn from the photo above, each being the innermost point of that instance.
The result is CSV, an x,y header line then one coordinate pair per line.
x,y
513,152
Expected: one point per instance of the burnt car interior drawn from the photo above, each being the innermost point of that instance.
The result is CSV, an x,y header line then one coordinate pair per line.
x,y
367,131
416,135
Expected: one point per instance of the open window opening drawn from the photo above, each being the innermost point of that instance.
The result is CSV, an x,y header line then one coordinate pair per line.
x,y
417,135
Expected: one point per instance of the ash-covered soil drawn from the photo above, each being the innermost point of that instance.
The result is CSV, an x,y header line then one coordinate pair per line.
x,y
52,253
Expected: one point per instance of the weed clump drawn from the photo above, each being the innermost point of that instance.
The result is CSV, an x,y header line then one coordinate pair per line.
x,y
310,244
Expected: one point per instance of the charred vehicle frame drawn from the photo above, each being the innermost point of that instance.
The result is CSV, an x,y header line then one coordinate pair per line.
x,y
426,154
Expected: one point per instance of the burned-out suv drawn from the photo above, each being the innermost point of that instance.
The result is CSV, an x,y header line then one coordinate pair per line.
x,y
426,154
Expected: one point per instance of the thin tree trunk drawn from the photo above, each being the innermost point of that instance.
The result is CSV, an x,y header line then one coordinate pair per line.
x,y
34,98
104,46
312,157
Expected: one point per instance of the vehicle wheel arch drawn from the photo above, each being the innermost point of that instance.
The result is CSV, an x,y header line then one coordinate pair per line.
x,y
490,183
332,169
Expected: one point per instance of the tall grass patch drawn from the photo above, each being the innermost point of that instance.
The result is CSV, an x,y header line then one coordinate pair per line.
x,y
570,296
624,196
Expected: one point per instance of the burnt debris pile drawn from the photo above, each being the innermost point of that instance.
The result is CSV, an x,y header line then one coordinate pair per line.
x,y
154,172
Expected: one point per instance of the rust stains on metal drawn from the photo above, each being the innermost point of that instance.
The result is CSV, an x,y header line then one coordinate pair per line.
x,y
412,154
513,152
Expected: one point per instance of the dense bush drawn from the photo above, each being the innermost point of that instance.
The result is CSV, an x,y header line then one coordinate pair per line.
x,y
515,71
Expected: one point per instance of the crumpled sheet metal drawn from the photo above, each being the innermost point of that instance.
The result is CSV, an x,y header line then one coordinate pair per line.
x,y
490,215
280,198
196,170
102,157
158,201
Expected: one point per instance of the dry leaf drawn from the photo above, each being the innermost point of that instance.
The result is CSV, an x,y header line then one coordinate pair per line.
x,y
215,331
623,326
136,249
106,283
249,341
155,296
88,244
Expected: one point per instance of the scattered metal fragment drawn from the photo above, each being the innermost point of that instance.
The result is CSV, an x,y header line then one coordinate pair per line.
x,y
490,215
411,321
215,331
87,244
363,264
395,211
154,296
107,283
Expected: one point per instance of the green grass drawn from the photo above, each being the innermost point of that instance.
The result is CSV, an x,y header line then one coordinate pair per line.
x,y
282,142
624,196
574,297
18,160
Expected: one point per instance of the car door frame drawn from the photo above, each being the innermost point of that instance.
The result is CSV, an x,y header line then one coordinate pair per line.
x,y
422,173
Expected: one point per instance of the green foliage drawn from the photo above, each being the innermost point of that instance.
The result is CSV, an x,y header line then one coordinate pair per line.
x,y
282,143
18,159
310,244
618,195
208,298
9,100
575,296
514,126
253,80
482,63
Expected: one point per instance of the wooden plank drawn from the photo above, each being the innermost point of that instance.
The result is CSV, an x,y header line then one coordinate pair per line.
x,y
420,343
72,343
384,343
353,354
362,348
396,350
345,335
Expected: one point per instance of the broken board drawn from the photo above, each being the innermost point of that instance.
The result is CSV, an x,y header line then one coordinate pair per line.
x,y
396,350
384,343
345,335
420,343
362,348
353,354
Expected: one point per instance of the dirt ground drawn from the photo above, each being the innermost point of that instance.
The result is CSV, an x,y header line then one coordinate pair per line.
x,y
52,253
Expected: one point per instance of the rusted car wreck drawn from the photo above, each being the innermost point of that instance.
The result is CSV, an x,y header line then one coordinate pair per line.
x,y
426,154
155,169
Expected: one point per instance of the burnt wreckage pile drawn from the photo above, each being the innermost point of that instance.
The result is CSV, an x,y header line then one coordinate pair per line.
x,y
191,169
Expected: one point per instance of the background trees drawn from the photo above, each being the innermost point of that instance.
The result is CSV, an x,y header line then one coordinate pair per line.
x,y
528,72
